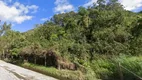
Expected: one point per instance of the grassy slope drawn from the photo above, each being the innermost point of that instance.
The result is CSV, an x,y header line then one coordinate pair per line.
x,y
59,74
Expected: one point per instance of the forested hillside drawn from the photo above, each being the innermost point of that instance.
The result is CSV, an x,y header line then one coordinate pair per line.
x,y
92,41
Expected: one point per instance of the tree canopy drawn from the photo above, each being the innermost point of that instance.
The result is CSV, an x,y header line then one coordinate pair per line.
x,y
77,37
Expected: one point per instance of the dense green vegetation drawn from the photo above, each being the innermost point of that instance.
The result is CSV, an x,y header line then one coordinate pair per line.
x,y
91,41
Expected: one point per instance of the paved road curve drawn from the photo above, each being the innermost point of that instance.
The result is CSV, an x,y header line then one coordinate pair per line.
x,y
12,72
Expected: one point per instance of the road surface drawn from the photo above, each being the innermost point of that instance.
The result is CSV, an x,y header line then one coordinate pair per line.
x,y
12,72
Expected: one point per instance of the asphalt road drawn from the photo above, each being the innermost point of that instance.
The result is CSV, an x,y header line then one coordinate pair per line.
x,y
12,72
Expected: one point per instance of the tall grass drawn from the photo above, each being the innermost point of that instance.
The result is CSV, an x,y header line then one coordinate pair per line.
x,y
108,69
59,74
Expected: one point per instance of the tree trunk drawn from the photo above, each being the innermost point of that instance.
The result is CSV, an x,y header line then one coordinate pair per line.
x,y
12,57
120,71
0,56
45,60
35,60
6,53
58,65
27,59
3,53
